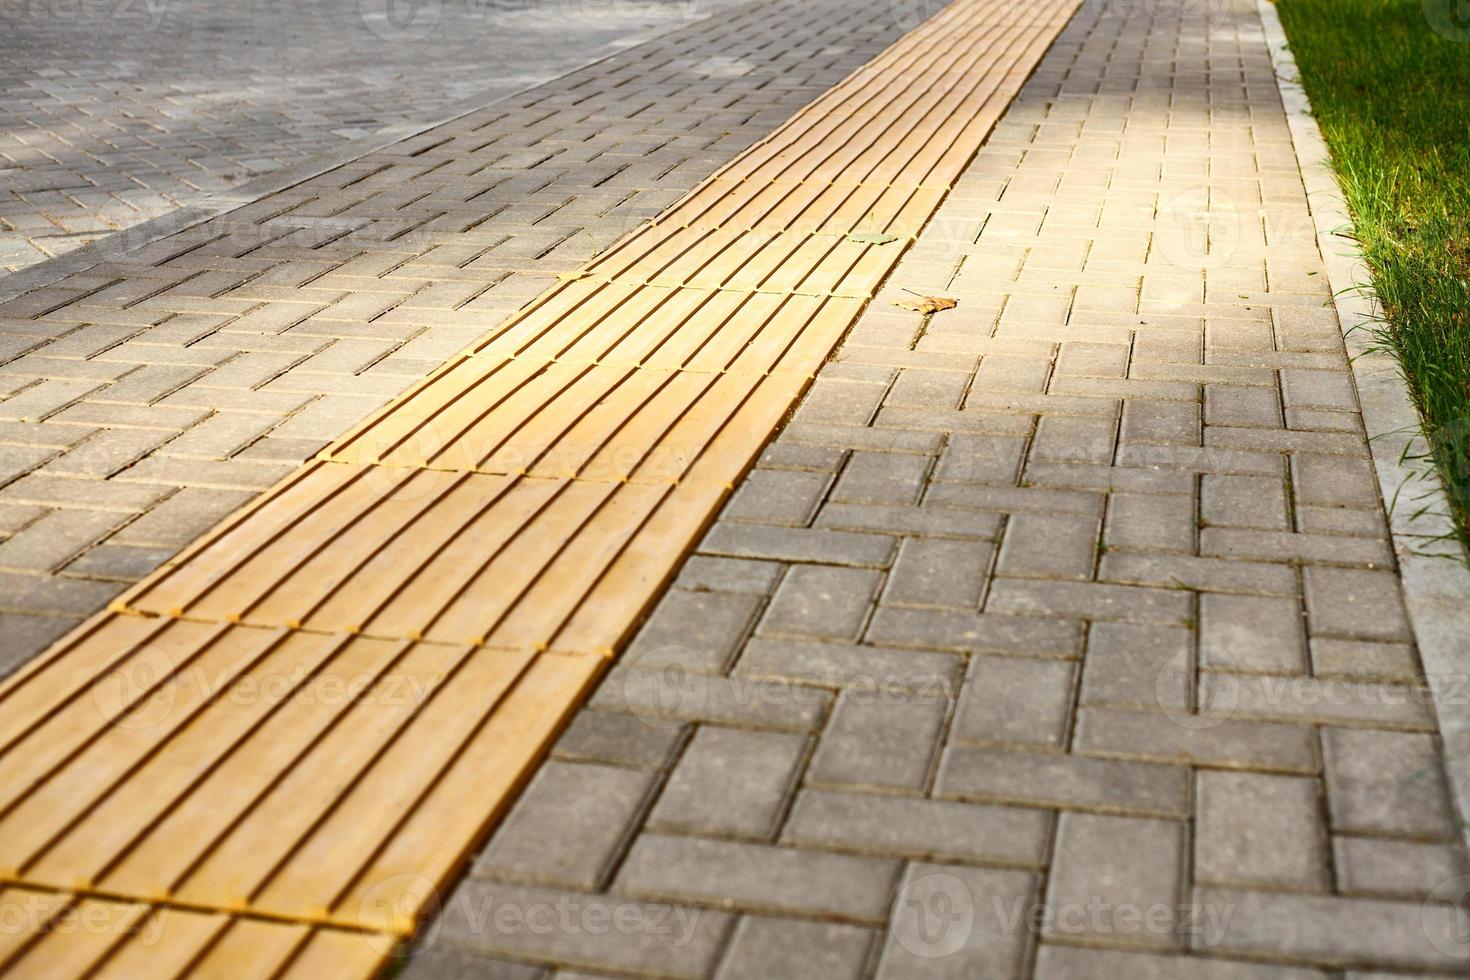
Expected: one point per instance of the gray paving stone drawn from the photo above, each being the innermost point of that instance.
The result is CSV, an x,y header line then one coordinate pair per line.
x,y
759,877
699,631
22,637
1196,740
935,629
1243,501
581,929
938,572
1355,603
821,601
1055,962
449,964
1251,633
1386,783
667,698
1149,522
791,544
910,827
868,669
590,804
729,782
1051,780
1256,829
778,497
763,947
1048,546
881,478
1396,868
1334,481
1013,699
1090,600
617,738
876,739
1116,880
1134,666
705,572
1334,930
958,922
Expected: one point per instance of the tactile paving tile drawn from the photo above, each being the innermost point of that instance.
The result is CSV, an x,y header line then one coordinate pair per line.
x,y
287,740
60,934
297,775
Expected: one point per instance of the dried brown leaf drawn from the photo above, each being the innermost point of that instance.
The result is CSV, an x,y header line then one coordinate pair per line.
x,y
926,304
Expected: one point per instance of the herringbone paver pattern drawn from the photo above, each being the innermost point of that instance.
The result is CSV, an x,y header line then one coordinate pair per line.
x,y
149,397
117,111
1056,635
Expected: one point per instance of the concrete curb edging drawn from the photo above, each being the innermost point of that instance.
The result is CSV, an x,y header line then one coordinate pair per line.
x,y
117,244
1436,584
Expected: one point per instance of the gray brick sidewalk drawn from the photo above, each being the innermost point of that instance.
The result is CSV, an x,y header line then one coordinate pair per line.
x,y
145,399
117,111
1057,635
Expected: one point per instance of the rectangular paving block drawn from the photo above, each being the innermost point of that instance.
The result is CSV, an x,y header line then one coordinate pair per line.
x,y
592,804
878,739
758,877
1116,880
729,782
985,933
1262,830
912,827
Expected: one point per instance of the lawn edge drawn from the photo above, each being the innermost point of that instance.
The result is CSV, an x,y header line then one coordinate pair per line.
x,y
1436,585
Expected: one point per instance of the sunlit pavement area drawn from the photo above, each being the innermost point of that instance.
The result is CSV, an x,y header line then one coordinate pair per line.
x,y
116,111
1057,633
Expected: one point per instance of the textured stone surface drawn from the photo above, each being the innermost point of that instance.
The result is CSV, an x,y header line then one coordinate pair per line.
x,y
1056,634
117,113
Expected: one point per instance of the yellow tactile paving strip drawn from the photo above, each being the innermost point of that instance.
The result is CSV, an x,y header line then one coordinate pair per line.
x,y
276,750
67,935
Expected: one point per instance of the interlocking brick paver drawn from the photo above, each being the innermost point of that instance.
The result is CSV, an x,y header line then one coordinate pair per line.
x,y
918,828
872,740
116,115
1012,699
764,947
1070,609
1127,867
757,877
729,782
1386,783
195,371
590,804
1253,828
990,943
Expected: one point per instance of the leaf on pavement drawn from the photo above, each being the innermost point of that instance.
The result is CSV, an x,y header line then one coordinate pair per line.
x,y
927,304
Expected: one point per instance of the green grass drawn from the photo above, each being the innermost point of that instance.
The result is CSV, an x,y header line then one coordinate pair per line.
x,y
1389,82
